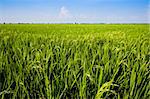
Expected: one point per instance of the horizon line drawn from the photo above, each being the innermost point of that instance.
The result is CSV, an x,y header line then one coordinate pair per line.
x,y
74,23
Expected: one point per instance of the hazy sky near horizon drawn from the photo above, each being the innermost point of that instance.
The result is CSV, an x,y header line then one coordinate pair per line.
x,y
60,11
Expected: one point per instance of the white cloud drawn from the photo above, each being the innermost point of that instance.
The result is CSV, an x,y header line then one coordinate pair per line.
x,y
64,12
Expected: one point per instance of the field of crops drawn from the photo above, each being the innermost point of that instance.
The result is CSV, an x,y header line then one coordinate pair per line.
x,y
80,61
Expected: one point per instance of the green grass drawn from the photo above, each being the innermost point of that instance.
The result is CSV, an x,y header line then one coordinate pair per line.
x,y
74,61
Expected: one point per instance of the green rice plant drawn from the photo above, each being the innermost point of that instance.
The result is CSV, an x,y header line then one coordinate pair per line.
x,y
56,61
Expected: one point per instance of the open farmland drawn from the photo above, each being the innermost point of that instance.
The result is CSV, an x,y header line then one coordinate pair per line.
x,y
52,61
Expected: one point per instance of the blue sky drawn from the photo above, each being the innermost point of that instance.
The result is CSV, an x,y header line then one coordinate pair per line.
x,y
60,11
